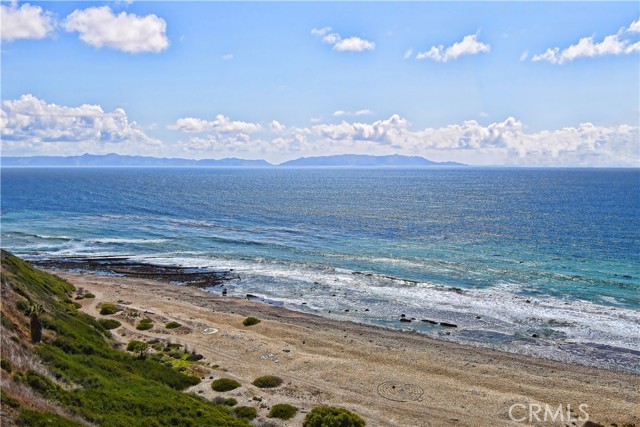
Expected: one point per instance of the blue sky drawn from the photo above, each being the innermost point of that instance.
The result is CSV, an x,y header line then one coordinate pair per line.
x,y
535,83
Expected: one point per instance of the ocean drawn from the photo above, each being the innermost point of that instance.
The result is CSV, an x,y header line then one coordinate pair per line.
x,y
544,262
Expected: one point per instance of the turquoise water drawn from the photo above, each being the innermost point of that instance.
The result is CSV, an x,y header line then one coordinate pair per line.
x,y
503,253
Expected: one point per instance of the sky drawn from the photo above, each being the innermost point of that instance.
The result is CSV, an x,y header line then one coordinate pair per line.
x,y
483,83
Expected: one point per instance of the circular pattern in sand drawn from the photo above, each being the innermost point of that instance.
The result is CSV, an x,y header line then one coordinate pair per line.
x,y
400,392
209,331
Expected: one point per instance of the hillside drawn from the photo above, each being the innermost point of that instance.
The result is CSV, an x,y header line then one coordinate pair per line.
x,y
60,366
360,160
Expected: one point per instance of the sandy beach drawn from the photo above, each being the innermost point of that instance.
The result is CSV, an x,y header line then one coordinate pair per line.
x,y
390,378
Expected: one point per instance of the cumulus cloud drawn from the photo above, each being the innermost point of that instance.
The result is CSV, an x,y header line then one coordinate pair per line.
x,y
30,123
24,22
615,44
502,142
221,124
340,44
468,46
99,26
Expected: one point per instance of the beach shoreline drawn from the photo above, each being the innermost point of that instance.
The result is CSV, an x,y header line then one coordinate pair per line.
x,y
390,377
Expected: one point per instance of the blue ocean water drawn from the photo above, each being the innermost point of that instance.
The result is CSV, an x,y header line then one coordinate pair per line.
x,y
504,253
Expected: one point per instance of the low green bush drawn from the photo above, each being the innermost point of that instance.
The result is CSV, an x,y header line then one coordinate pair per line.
x,y
145,324
88,295
224,384
109,323
250,321
31,418
172,325
5,365
330,416
245,412
230,402
267,381
282,411
108,308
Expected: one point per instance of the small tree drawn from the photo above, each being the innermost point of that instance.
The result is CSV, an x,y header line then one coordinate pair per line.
x,y
34,311
138,347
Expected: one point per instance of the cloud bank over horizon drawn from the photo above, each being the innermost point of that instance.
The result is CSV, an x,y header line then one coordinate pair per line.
x,y
31,126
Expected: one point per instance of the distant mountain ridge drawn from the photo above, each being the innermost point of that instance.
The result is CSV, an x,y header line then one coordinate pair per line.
x,y
362,160
117,160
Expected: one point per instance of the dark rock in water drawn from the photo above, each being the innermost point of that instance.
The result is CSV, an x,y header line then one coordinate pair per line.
x,y
528,301
448,325
366,309
413,318
403,315
346,311
304,303
404,319
432,322
249,296
590,423
535,335
224,292
478,317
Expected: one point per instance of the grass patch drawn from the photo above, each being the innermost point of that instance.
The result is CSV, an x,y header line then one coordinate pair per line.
x,y
267,381
88,295
108,308
172,325
330,416
245,412
224,384
109,323
30,418
145,324
282,411
250,321
107,387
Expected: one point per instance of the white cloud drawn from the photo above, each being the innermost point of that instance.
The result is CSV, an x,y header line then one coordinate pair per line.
x,y
24,22
524,55
504,142
221,124
408,54
29,123
468,46
99,26
354,44
364,112
351,44
227,57
616,44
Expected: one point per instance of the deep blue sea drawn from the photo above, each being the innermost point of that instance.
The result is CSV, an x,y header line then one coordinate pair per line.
x,y
502,253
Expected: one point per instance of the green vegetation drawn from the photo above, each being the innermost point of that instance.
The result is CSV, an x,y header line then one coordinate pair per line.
x,y
172,325
30,418
109,323
267,381
88,295
330,416
145,324
108,308
282,411
250,321
138,347
224,384
246,412
230,401
101,385
5,365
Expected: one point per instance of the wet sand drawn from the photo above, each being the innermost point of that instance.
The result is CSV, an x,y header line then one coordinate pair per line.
x,y
390,378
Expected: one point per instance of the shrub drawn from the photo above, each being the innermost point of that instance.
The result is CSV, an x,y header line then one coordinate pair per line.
x,y
330,416
250,321
138,347
246,412
230,402
224,384
145,324
88,295
267,381
109,323
172,325
282,411
5,365
194,357
108,308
